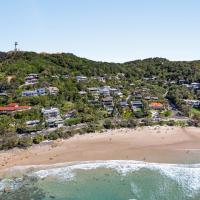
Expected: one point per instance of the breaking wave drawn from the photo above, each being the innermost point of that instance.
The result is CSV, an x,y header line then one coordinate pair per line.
x,y
188,176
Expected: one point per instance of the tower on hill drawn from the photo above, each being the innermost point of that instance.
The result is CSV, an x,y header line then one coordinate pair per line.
x,y
16,44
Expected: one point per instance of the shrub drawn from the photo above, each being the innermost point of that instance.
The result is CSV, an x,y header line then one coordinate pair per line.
x,y
38,138
132,123
108,124
9,142
147,122
72,121
91,128
171,123
65,135
53,135
139,114
25,141
87,118
167,113
123,124
162,123
82,131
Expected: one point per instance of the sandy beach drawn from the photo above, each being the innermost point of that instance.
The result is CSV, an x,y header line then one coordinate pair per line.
x,y
151,144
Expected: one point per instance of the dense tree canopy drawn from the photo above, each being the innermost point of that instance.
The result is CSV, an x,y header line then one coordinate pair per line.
x,y
60,70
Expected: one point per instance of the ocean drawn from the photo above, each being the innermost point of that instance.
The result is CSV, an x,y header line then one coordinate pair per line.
x,y
103,180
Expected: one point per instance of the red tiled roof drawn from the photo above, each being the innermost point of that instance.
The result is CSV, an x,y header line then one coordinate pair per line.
x,y
14,107
156,104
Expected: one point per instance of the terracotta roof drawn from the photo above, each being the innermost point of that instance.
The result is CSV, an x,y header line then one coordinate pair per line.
x,y
156,104
14,107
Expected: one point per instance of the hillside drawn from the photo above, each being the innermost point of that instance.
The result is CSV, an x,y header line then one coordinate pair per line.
x,y
69,63
39,93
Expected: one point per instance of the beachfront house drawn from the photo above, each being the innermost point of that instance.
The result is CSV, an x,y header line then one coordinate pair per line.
x,y
52,117
31,79
3,93
124,104
53,90
66,76
55,122
195,86
137,94
13,107
82,92
50,112
147,98
155,114
107,101
151,78
138,97
193,103
71,114
154,98
117,92
81,78
182,81
105,91
156,106
94,91
101,79
135,105
37,92
29,93
108,104
33,123
41,91
55,76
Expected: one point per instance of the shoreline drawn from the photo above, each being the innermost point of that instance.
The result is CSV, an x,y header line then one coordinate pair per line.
x,y
173,145
121,166
68,170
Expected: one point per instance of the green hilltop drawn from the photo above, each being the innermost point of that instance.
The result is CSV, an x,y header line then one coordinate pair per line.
x,y
92,95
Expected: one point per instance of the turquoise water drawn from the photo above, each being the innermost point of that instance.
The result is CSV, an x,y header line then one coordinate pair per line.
x,y
110,180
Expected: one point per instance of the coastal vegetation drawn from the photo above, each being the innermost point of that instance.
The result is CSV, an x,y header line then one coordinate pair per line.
x,y
86,96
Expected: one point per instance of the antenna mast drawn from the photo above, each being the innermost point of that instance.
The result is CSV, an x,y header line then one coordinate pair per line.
x,y
16,44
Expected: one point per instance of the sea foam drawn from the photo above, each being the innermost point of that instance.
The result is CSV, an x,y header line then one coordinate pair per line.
x,y
188,176
10,184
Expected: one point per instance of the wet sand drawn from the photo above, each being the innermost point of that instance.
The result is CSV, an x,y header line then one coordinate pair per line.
x,y
150,144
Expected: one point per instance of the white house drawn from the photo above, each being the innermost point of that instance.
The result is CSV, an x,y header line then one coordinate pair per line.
x,y
193,103
52,117
53,90
50,112
31,79
81,78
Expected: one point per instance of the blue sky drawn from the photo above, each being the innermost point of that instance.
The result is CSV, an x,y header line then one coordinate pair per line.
x,y
108,30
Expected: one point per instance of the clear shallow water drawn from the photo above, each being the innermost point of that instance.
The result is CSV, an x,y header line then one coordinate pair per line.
x,y
110,180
